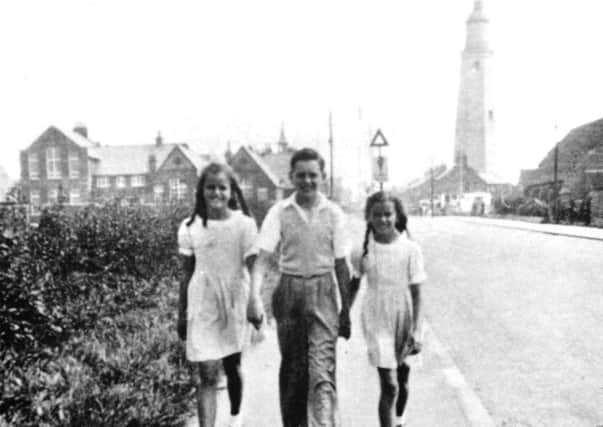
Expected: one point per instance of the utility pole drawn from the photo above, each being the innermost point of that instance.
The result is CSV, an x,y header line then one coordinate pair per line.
x,y
332,181
555,186
431,183
461,166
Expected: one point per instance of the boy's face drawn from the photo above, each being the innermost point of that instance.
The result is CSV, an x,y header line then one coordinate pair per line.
x,y
306,176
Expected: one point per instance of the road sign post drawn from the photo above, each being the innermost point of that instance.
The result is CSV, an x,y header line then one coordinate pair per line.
x,y
380,170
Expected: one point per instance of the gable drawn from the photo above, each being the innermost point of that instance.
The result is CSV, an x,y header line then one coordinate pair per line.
x,y
176,160
52,137
246,163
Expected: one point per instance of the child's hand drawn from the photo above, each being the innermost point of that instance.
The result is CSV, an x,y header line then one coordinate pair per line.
x,y
181,327
416,343
255,311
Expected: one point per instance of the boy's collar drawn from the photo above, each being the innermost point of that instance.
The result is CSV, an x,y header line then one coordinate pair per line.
x,y
321,200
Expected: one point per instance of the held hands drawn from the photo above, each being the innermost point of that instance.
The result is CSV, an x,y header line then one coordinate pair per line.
x,y
255,311
416,344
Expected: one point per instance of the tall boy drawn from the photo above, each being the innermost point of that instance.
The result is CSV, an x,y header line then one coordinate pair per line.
x,y
309,231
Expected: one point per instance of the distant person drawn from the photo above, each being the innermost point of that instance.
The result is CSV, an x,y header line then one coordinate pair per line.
x,y
309,230
216,244
391,310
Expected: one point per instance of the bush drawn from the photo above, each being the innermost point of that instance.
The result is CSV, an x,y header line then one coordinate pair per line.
x,y
86,317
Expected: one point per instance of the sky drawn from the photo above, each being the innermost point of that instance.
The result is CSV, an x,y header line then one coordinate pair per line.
x,y
209,72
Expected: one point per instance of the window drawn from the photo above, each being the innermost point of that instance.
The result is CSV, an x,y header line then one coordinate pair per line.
x,y
34,197
34,167
138,181
158,192
74,196
53,195
102,181
120,181
53,165
262,194
246,188
177,189
74,165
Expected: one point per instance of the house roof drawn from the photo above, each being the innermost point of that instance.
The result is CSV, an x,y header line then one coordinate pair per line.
x,y
76,138
278,163
261,164
576,145
128,159
198,160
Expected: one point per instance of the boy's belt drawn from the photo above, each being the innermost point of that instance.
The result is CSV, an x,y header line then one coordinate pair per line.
x,y
307,276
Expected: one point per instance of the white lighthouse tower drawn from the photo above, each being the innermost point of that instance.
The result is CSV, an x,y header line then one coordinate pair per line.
x,y
474,139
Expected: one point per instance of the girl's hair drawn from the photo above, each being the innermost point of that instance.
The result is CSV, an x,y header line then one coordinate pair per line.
x,y
237,201
380,197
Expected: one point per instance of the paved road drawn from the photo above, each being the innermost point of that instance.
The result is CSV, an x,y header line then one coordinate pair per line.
x,y
521,314
514,340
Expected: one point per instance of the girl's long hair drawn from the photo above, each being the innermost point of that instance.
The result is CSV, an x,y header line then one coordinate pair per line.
x,y
236,201
401,218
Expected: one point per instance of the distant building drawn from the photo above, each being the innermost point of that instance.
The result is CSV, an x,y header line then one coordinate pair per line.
x,y
5,183
264,176
450,186
579,165
67,166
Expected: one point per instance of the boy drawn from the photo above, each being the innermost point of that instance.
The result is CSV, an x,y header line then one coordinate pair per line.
x,y
309,231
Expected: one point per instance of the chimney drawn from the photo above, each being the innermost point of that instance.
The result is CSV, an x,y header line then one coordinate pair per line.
x,y
81,129
158,140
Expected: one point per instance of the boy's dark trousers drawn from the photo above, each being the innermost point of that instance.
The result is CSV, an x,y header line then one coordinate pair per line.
x,y
306,312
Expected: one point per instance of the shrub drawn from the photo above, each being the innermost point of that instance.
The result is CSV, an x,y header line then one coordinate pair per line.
x,y
86,317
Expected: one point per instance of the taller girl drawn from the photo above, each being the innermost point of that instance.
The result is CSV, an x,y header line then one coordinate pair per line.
x,y
393,265
216,246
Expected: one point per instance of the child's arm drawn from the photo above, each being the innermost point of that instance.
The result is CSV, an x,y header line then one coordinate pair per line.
x,y
255,306
342,273
415,295
188,266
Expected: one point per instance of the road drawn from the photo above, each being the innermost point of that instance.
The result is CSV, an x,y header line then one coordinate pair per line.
x,y
521,314
514,339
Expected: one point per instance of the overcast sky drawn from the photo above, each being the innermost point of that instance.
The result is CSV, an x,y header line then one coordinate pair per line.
x,y
211,71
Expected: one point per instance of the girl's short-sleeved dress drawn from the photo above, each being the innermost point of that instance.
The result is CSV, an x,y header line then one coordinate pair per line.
x,y
219,287
387,306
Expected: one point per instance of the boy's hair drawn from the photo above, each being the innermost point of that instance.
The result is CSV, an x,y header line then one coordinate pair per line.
x,y
380,197
307,154
237,201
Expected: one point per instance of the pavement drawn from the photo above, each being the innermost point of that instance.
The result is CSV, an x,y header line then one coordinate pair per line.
x,y
439,396
582,232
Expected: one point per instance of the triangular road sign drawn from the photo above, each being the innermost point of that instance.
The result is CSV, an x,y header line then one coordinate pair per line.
x,y
379,140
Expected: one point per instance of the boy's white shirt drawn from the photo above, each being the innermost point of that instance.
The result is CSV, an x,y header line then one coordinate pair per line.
x,y
270,232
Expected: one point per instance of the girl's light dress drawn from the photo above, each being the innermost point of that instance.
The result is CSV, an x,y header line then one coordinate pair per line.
x,y
219,287
387,306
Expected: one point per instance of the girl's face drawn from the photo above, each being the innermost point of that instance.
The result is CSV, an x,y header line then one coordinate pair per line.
x,y
216,191
383,218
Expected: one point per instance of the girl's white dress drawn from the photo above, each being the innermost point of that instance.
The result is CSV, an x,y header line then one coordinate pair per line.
x,y
219,287
387,306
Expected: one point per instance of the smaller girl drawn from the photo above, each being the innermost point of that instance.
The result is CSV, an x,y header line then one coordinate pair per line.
x,y
393,265
216,246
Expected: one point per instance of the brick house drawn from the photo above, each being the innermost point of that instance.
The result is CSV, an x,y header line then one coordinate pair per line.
x,y
264,177
68,166
578,163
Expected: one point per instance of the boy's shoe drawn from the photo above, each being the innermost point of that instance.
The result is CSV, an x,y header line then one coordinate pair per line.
x,y
236,420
